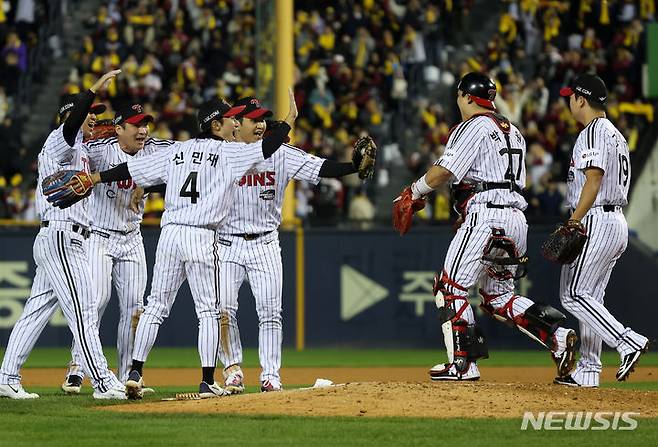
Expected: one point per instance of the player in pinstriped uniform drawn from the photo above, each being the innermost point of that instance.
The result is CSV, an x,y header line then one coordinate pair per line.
x,y
115,245
598,183
61,254
484,161
200,175
250,248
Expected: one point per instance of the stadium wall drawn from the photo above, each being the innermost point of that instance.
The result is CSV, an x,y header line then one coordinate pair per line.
x,y
362,289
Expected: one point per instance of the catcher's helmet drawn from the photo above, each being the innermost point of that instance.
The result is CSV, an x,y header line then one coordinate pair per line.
x,y
480,87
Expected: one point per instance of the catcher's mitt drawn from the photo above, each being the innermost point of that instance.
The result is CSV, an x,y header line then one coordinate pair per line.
x,y
102,129
66,188
404,207
364,156
565,243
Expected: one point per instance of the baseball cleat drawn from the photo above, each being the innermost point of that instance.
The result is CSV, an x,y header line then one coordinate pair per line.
x,y
207,391
134,386
566,380
447,371
629,362
269,385
234,382
16,392
72,384
567,360
116,393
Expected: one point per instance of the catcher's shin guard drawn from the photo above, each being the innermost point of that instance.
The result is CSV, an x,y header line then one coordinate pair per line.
x,y
539,321
464,343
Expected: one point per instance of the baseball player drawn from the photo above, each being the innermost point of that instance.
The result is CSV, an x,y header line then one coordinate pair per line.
x,y
63,275
484,161
249,246
598,182
200,174
116,246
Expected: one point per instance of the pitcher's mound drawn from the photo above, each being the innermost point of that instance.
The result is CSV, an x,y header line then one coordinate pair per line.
x,y
413,399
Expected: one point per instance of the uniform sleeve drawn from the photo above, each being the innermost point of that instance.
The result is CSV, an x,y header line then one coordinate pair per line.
x,y
57,148
96,151
301,165
462,148
155,144
242,157
592,152
151,169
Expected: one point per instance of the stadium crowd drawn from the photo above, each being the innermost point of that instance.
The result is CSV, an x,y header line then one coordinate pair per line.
x,y
360,67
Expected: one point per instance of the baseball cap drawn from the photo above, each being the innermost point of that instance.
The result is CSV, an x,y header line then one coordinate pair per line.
x,y
215,109
253,109
132,114
589,86
68,101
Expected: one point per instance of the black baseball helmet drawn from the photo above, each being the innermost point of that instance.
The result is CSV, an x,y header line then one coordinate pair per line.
x,y
480,87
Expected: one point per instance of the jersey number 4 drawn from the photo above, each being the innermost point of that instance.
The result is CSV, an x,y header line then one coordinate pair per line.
x,y
189,187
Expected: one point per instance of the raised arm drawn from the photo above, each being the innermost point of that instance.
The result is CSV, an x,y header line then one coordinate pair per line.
x,y
81,108
277,137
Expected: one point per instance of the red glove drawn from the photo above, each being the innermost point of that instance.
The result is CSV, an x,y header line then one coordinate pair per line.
x,y
404,207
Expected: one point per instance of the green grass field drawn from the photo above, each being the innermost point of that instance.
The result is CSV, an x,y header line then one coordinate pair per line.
x,y
56,419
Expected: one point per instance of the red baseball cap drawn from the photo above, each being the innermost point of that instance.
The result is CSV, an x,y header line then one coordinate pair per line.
x,y
132,114
68,101
589,86
215,109
252,108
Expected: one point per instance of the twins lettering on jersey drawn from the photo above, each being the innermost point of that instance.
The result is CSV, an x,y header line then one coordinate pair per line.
x,y
123,184
267,178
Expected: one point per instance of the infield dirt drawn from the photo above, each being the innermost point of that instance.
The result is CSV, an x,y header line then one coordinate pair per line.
x,y
402,392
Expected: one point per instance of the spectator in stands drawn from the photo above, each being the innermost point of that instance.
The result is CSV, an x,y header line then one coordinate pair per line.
x,y
14,46
368,66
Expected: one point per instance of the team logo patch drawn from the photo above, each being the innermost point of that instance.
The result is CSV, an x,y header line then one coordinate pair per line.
x,y
268,194
137,108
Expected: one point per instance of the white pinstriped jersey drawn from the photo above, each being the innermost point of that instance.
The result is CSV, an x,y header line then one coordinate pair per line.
x,y
109,207
57,155
477,151
600,145
258,197
200,174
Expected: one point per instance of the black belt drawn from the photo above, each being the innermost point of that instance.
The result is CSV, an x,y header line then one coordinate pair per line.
x,y
107,235
499,207
606,208
82,231
251,236
486,186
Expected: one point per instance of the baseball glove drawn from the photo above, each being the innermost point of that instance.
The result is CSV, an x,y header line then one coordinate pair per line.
x,y
364,156
102,129
66,188
404,207
565,243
